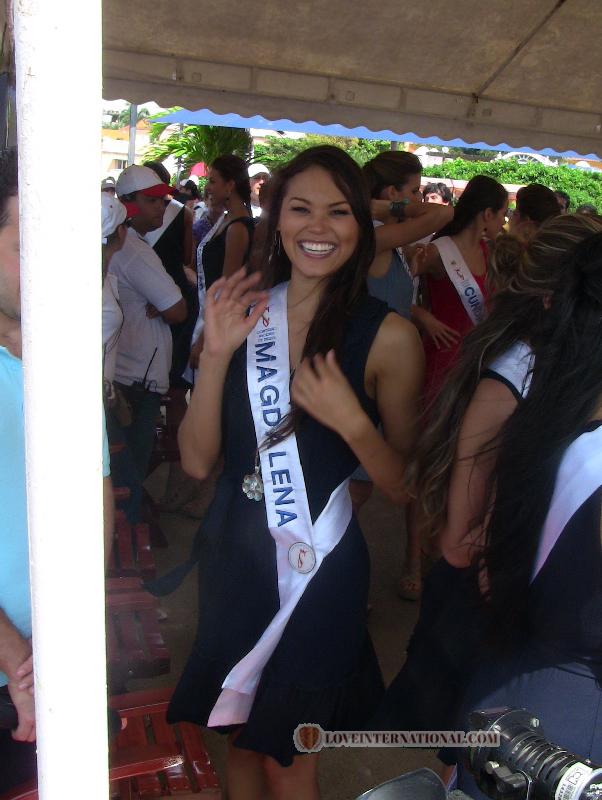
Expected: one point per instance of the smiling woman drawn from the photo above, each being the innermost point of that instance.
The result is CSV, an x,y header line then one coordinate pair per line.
x,y
284,566
317,224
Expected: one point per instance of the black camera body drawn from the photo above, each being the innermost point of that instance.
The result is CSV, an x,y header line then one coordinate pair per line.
x,y
524,765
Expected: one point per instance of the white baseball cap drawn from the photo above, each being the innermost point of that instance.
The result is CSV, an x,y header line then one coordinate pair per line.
x,y
107,183
141,179
258,169
113,214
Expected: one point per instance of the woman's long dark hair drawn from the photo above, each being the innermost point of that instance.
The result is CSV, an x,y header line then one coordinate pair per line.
x,y
344,289
481,193
565,391
233,168
517,314
391,168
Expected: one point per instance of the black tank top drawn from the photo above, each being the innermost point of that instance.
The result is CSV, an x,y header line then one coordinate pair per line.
x,y
214,252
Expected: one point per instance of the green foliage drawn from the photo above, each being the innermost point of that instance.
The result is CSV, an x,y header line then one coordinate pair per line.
x,y
582,187
194,143
276,152
122,118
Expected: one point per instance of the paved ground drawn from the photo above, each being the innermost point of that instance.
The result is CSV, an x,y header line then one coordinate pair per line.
x,y
344,774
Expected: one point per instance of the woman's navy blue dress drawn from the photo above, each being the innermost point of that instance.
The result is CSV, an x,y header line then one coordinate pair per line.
x,y
324,669
557,674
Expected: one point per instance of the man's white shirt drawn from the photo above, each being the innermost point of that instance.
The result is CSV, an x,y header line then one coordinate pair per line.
x,y
142,279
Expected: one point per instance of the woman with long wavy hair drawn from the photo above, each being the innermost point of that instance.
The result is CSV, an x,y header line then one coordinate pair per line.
x,y
540,545
454,459
282,638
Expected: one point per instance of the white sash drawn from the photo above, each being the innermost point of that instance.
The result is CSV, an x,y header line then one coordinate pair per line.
x,y
301,545
171,212
579,476
464,282
188,373
201,288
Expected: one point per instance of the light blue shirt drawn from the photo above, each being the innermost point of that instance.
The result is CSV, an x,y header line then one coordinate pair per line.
x,y
15,598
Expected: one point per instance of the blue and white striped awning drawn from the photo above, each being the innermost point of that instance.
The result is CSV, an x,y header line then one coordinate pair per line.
x,y
206,117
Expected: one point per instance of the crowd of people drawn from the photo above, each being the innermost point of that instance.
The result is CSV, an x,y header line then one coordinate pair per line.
x,y
323,331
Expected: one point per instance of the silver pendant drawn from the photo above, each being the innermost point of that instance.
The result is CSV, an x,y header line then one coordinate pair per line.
x,y
252,485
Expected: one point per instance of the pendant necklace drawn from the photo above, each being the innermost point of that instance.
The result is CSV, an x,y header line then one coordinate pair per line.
x,y
252,484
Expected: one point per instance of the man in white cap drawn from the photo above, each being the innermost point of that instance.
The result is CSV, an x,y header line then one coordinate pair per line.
x,y
258,175
108,185
151,302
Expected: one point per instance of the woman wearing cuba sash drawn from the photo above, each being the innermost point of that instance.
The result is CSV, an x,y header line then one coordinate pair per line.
x,y
292,395
454,270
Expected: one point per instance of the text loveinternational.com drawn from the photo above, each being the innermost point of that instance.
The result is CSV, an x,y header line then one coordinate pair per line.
x,y
311,738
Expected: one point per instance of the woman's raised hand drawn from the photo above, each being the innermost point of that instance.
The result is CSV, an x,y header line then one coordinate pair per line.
x,y
227,323
322,390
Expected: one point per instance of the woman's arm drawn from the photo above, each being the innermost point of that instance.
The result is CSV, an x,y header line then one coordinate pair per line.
x,y
226,327
443,335
421,221
490,407
199,435
237,244
395,369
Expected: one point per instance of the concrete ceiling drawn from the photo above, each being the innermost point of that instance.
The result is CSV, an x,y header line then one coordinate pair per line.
x,y
524,72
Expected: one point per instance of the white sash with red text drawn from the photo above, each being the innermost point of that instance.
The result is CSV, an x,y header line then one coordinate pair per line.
x,y
579,476
464,282
301,545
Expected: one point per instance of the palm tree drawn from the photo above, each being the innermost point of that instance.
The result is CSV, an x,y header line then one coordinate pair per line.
x,y
123,118
194,143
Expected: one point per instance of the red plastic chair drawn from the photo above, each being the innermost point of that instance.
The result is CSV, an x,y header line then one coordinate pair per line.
x,y
131,553
151,758
135,645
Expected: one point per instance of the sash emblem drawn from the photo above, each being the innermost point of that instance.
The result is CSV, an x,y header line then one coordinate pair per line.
x,y
302,557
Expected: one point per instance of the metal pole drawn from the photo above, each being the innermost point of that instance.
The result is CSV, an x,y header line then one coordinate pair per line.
x,y
179,164
59,59
132,144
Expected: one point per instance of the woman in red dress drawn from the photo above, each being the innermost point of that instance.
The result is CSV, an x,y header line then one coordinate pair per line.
x,y
453,270
479,216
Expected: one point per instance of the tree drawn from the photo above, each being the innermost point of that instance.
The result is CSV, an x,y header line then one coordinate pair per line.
x,y
276,152
193,143
581,186
122,118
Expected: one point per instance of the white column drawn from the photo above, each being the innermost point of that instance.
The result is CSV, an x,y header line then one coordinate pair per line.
x,y
132,136
58,60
